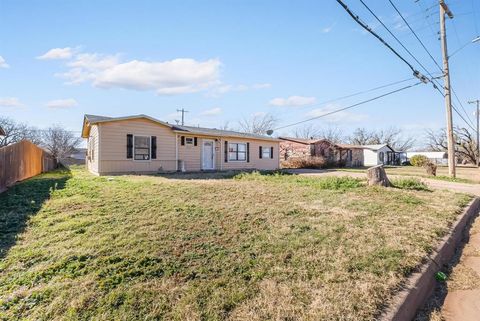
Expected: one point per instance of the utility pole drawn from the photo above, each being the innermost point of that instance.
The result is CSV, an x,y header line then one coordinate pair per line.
x,y
478,121
183,111
448,98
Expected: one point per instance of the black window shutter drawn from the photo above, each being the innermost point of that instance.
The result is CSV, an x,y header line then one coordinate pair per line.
x,y
248,152
182,140
226,152
129,146
154,147
271,152
195,141
260,152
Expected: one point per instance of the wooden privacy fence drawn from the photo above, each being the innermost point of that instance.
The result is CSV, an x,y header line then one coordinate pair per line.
x,y
22,160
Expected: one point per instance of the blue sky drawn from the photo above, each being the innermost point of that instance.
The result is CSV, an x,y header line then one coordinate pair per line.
x,y
226,60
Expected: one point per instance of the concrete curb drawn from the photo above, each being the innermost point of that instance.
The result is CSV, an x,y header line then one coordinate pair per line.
x,y
420,285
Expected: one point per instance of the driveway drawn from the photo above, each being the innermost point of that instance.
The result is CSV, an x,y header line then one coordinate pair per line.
x,y
473,189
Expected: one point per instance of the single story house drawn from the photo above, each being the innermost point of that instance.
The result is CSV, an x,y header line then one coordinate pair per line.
x,y
381,154
295,147
435,157
341,154
346,155
143,144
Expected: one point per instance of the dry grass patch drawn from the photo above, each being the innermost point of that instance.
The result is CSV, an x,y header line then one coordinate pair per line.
x,y
248,247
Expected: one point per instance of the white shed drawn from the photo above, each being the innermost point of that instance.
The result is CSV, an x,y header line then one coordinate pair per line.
x,y
377,154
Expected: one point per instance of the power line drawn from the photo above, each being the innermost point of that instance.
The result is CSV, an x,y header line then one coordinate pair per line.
x,y
366,27
349,107
429,54
409,27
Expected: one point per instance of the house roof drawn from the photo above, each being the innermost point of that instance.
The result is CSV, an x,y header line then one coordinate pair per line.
x,y
351,146
220,132
376,147
299,140
95,119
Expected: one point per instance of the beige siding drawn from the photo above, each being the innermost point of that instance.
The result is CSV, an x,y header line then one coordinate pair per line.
x,y
110,154
92,149
255,161
113,151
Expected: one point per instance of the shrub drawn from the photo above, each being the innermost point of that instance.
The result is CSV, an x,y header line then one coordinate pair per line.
x,y
419,160
431,168
410,184
300,162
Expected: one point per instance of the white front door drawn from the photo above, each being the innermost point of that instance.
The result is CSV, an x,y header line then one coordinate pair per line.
x,y
208,154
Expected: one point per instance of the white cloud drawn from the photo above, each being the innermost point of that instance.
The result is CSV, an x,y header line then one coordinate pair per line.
x,y
61,103
3,63
57,53
10,102
341,116
177,76
293,101
212,112
328,29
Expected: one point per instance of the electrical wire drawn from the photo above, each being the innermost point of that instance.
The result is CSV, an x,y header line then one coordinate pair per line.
x,y
349,107
414,33
395,37
430,55
367,28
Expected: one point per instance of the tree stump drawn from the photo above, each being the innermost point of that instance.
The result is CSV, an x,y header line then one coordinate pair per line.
x,y
376,175
431,169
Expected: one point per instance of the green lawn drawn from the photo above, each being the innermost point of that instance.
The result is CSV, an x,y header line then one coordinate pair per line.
x,y
245,247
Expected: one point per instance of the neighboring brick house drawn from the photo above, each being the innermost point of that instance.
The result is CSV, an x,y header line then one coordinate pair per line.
x,y
295,147
347,155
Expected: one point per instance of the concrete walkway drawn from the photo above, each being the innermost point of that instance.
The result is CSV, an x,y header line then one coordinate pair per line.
x,y
462,302
473,189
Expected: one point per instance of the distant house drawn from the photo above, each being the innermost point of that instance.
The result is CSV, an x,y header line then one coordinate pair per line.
x,y
295,147
380,154
440,158
342,154
143,144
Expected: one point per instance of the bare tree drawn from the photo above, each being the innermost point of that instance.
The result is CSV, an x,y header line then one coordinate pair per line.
x,y
258,124
465,143
225,126
15,132
392,136
59,141
332,134
307,132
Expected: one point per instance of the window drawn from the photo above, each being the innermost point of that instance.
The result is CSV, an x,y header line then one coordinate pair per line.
x,y
237,151
189,140
141,147
266,152
349,155
381,156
